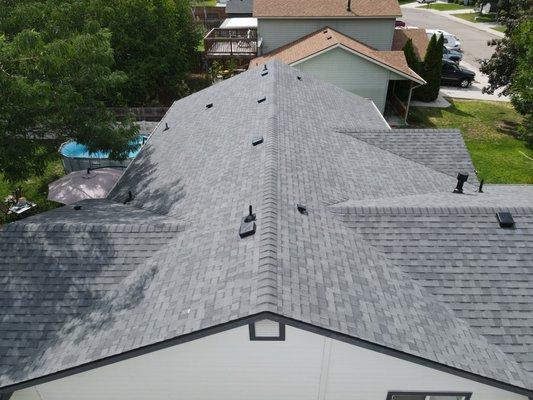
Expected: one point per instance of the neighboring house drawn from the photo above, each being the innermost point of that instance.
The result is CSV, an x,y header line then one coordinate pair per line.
x,y
381,284
344,42
345,62
417,35
239,8
283,21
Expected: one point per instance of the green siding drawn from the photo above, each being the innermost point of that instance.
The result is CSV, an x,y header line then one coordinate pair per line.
x,y
376,32
350,72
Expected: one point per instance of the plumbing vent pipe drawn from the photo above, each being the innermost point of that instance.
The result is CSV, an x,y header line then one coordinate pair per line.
x,y
461,179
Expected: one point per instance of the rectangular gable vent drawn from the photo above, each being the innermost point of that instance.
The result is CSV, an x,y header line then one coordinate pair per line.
x,y
505,219
267,329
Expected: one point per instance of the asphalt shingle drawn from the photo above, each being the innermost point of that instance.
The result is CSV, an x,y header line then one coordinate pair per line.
x,y
171,261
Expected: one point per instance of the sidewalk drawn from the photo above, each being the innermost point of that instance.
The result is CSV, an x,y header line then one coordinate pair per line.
x,y
482,26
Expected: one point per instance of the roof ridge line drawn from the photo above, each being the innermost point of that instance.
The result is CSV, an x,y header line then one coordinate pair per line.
x,y
397,130
343,208
396,154
265,285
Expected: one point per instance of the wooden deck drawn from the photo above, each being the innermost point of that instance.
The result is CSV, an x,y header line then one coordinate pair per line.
x,y
231,43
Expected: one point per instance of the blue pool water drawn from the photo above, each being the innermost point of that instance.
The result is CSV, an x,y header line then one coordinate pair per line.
x,y
74,149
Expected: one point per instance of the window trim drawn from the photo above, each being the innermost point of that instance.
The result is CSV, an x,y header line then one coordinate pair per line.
x,y
466,395
254,337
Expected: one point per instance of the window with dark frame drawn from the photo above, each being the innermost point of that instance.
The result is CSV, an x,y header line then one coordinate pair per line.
x,y
428,396
267,330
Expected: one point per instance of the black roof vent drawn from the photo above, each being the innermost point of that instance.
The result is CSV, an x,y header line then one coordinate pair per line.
x,y
77,207
261,99
505,219
248,225
130,197
461,179
299,78
302,209
209,105
329,37
264,73
257,140
325,31
265,67
166,127
349,8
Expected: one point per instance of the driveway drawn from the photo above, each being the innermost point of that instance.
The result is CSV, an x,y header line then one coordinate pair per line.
x,y
473,43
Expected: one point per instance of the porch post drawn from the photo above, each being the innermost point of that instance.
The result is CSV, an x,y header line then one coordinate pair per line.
x,y
408,101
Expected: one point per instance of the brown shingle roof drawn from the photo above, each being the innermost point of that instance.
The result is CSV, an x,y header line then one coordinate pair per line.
x,y
417,35
327,38
326,8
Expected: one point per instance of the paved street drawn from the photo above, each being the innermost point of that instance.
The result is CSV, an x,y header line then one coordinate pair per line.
x,y
473,44
473,41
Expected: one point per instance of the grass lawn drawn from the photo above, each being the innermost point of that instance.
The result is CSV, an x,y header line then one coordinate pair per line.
x,y
35,189
444,6
489,130
475,17
500,28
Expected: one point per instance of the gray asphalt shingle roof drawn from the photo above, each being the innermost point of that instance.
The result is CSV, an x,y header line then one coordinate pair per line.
x,y
171,261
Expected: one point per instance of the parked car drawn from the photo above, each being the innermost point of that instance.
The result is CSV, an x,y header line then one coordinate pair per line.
x,y
426,1
451,55
451,42
399,23
453,74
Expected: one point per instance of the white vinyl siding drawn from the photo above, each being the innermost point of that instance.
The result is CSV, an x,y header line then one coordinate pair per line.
x,y
350,72
228,366
375,32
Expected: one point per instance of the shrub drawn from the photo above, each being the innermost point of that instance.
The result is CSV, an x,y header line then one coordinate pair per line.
x,y
431,70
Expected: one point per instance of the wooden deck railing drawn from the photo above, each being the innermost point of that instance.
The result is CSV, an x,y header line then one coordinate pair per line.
x,y
222,42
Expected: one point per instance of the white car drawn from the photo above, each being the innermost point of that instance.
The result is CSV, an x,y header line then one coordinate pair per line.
x,y
451,42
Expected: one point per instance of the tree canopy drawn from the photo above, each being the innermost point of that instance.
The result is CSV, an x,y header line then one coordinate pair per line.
x,y
431,70
155,44
64,62
509,68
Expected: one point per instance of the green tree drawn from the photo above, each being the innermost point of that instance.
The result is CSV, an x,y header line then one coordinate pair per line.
x,y
56,78
509,68
431,70
155,44
410,56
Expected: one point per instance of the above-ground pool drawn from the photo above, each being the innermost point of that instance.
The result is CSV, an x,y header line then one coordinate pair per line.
x,y
76,156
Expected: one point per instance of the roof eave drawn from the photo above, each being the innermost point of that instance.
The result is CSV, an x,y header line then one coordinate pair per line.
x,y
266,16
9,389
